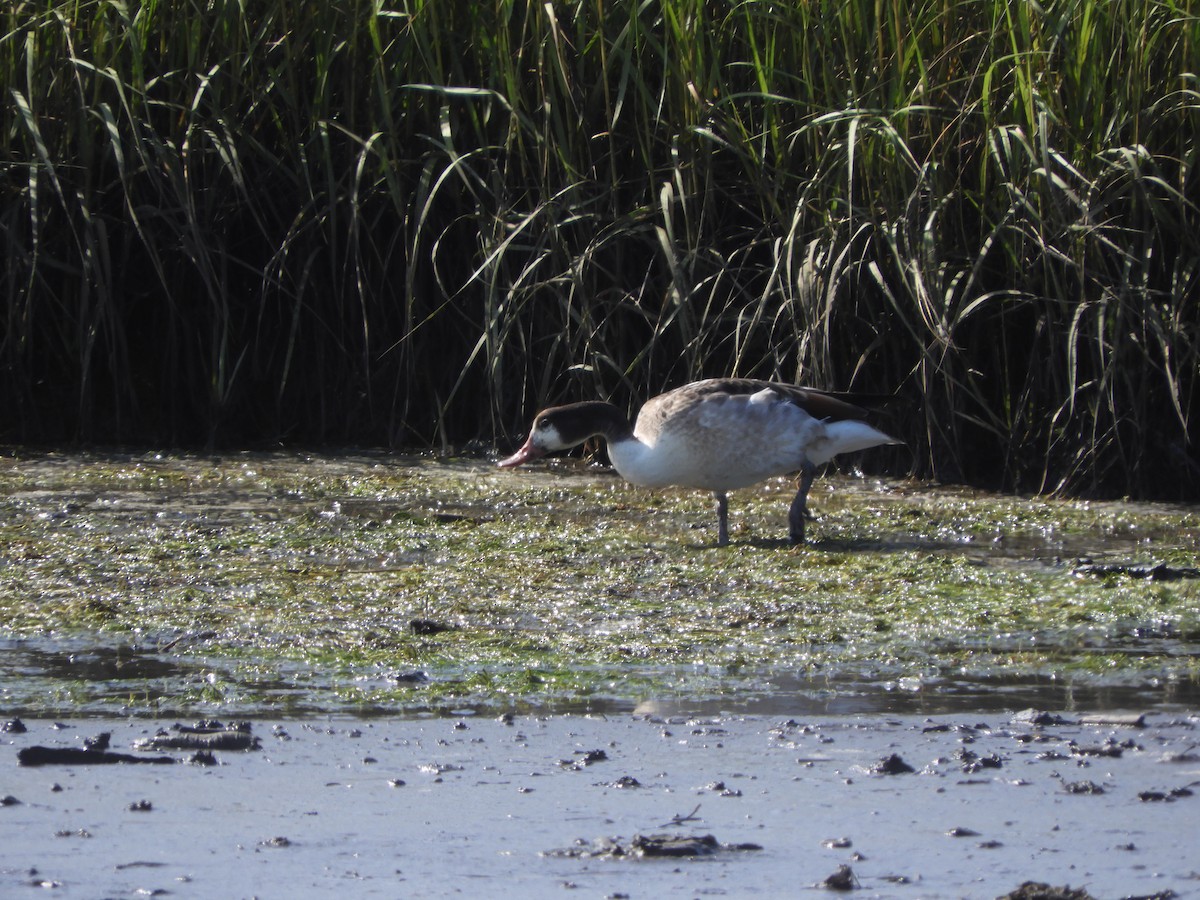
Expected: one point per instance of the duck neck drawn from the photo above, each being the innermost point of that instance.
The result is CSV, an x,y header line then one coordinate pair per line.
x,y
580,421
609,421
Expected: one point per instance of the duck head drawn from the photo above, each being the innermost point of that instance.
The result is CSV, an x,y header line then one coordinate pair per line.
x,y
545,437
561,427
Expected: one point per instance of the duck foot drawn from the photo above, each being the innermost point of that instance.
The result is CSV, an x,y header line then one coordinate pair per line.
x,y
799,509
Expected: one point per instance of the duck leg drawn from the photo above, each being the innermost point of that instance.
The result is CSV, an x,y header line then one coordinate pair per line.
x,y
722,518
799,511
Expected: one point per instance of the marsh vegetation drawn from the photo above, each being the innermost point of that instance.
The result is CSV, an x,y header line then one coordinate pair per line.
x,y
411,223
280,584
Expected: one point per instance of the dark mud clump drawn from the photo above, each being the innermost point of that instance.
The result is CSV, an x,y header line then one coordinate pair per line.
x,y
1036,890
1040,718
583,759
204,738
892,765
651,846
1082,787
843,879
1165,796
1148,571
429,627
1111,749
226,740
213,726
973,763
74,756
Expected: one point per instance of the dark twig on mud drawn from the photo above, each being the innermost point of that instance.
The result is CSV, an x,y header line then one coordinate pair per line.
x,y
679,820
73,756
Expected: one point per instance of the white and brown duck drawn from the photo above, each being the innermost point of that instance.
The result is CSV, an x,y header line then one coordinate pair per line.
x,y
718,435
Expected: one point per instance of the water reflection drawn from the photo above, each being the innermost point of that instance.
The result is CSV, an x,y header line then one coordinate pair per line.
x,y
95,664
805,698
88,679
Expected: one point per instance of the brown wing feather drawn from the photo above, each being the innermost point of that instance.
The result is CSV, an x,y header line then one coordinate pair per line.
x,y
832,405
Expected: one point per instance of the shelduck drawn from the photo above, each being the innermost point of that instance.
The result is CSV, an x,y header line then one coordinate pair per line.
x,y
718,435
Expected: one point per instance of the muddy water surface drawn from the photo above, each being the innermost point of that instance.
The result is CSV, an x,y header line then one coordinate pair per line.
x,y
468,682
591,806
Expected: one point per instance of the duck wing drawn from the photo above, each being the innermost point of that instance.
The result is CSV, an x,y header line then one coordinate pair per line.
x,y
835,406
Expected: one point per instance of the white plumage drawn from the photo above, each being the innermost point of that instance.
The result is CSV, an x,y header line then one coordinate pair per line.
x,y
717,435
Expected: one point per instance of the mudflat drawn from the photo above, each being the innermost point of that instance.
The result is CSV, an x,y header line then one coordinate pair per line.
x,y
627,805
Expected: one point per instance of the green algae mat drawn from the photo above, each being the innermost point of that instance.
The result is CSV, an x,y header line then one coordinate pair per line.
x,y
292,583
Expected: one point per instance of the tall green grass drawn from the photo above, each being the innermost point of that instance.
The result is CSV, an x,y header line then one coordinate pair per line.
x,y
413,222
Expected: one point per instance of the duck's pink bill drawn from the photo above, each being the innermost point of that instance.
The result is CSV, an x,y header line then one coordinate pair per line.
x,y
527,452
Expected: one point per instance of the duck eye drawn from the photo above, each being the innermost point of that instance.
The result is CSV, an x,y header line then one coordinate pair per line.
x,y
543,422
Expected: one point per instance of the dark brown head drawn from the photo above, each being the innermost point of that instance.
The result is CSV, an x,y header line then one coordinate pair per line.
x,y
560,427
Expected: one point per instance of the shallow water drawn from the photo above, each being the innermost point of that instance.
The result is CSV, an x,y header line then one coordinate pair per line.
x,y
298,584
90,679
